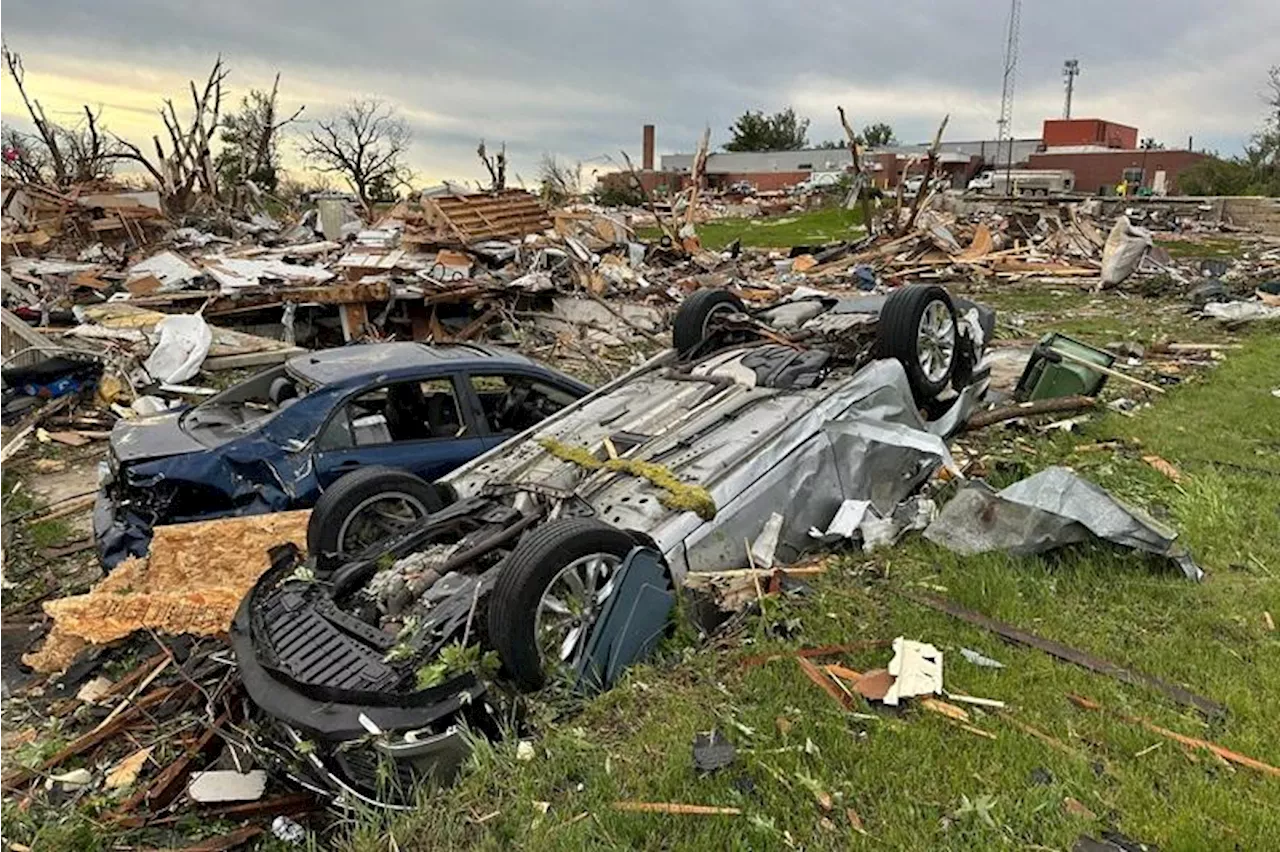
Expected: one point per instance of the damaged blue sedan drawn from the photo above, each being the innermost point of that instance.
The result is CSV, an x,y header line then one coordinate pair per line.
x,y
278,440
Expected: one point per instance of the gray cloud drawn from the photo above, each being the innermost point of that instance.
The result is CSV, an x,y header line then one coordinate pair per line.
x,y
578,78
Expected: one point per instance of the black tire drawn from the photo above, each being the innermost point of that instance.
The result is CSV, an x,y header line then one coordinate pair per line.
x,y
898,330
691,318
349,494
531,566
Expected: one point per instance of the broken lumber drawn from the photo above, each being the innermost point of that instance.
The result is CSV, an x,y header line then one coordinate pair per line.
x,y
95,737
1194,742
816,675
1108,371
673,808
1067,653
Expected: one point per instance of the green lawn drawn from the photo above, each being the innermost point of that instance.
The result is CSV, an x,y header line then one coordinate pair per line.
x,y
907,775
826,225
1227,247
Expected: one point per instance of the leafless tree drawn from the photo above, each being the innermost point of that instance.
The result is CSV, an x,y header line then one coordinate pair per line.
x,y
366,144
496,166
57,155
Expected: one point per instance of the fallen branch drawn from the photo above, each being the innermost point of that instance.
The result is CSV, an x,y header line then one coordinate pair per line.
x,y
1026,409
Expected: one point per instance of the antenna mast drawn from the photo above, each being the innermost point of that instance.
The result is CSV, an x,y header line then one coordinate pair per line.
x,y
1070,70
1005,124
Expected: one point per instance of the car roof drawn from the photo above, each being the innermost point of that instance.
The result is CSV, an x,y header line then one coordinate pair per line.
x,y
363,360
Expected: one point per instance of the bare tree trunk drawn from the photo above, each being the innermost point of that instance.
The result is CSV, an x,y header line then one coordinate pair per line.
x,y
931,160
859,180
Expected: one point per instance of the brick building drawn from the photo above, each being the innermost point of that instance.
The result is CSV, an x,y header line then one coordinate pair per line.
x,y
770,171
1103,153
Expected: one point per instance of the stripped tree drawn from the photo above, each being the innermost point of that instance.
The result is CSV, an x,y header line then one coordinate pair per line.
x,y
186,172
495,165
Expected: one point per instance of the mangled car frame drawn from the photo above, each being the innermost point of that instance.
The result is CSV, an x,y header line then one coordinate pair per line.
x,y
561,549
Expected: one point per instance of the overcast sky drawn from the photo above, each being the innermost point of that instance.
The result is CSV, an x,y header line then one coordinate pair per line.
x,y
578,78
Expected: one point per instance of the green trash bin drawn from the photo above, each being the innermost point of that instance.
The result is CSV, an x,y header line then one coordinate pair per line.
x,y
1048,375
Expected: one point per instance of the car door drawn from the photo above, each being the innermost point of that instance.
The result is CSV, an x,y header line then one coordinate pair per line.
x,y
420,425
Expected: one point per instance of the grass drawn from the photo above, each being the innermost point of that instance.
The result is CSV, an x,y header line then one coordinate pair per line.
x,y
907,775
825,225
1202,247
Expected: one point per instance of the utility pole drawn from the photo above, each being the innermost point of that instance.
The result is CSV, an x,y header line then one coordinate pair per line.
x,y
1005,124
1070,70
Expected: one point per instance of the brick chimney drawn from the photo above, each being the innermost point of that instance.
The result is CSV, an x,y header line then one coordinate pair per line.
x,y
647,157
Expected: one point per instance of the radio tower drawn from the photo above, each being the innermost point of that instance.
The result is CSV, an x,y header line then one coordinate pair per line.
x,y
1005,125
1070,70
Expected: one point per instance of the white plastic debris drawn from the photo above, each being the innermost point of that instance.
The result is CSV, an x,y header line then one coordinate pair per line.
x,y
846,521
980,660
145,405
1240,311
1125,247
184,342
288,831
227,785
766,544
916,668
73,780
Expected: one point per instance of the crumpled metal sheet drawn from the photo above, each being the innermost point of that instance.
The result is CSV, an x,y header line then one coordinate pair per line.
x,y
874,448
1053,508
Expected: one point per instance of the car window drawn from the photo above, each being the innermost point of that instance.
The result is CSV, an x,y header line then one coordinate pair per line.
x,y
404,411
513,403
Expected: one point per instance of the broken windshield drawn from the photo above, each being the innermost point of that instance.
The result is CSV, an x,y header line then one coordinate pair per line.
x,y
245,406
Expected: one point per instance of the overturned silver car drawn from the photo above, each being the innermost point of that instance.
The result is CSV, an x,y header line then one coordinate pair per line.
x,y
561,549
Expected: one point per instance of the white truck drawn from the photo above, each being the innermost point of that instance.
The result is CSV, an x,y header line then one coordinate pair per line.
x,y
1023,181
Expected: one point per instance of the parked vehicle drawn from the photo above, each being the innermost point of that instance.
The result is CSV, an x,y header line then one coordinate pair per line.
x,y
559,549
1025,181
817,181
279,439
982,182
912,185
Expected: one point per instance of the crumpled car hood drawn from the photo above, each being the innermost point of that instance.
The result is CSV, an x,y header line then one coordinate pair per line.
x,y
153,437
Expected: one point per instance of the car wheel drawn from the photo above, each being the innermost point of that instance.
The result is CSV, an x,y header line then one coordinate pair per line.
x,y
918,327
692,322
549,593
364,507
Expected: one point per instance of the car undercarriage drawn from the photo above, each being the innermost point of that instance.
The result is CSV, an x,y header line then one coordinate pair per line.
x,y
560,550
